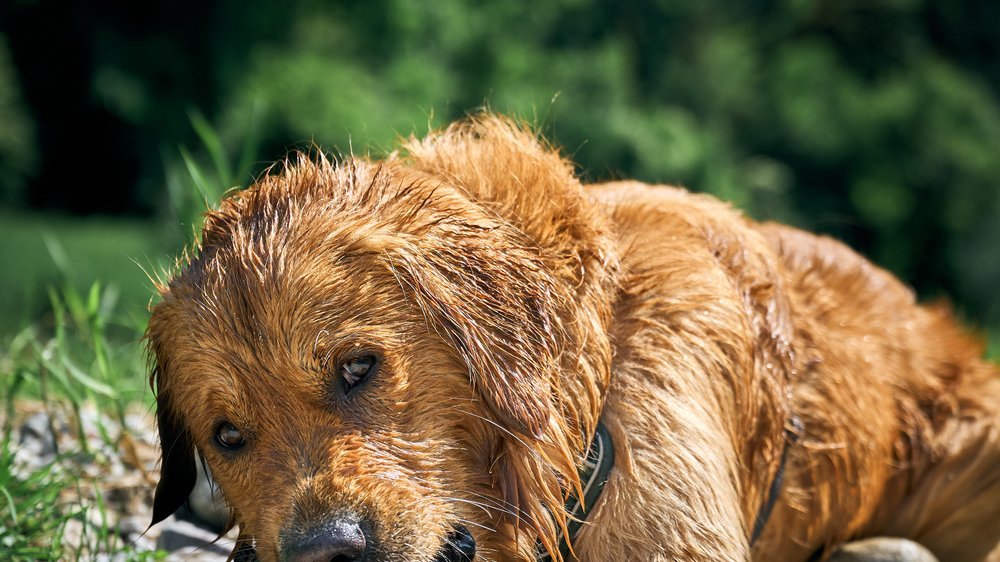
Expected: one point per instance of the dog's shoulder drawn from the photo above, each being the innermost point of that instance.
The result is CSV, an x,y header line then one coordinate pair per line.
x,y
668,224
636,206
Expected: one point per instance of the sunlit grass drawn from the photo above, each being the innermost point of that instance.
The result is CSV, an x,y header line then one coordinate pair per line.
x,y
56,511
70,347
32,521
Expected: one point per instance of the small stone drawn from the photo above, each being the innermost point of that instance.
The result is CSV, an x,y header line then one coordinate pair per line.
x,y
72,532
177,535
36,435
141,543
96,425
27,460
882,549
132,525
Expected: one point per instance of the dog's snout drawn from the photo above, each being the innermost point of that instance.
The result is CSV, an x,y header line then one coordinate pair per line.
x,y
339,539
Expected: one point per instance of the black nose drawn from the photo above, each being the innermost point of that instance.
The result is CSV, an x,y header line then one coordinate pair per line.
x,y
339,539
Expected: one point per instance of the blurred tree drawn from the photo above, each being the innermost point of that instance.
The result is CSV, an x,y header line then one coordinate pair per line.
x,y
875,121
18,153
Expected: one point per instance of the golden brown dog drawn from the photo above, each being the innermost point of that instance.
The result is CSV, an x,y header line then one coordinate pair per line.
x,y
405,360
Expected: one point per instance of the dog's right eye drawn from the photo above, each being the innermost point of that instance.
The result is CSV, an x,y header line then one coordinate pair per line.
x,y
229,437
356,370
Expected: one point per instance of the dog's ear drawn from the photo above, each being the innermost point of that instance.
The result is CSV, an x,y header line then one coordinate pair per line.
x,y
496,306
177,467
506,302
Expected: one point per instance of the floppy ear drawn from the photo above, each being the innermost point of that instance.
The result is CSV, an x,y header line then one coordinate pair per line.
x,y
177,466
494,301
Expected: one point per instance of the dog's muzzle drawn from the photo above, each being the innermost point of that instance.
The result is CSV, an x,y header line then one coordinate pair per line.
x,y
344,540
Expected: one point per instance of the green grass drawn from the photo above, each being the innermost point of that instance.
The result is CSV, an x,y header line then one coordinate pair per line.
x,y
68,343
73,307
42,251
65,365
32,524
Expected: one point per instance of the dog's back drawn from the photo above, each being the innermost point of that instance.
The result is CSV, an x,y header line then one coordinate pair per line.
x,y
931,472
899,415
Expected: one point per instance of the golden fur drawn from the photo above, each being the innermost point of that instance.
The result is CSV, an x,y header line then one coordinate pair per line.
x,y
513,307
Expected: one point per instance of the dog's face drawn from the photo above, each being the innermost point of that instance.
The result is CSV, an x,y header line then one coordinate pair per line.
x,y
321,400
366,359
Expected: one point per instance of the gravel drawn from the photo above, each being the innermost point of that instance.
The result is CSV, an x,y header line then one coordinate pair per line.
x,y
117,460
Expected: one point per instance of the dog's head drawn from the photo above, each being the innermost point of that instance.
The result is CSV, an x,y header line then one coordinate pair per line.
x,y
397,361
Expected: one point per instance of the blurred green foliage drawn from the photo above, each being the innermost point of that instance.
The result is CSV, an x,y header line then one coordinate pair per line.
x,y
42,252
18,155
877,122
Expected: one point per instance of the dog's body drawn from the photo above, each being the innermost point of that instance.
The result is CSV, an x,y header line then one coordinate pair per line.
x,y
891,396
719,353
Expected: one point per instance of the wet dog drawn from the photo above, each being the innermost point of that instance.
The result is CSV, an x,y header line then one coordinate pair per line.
x,y
409,360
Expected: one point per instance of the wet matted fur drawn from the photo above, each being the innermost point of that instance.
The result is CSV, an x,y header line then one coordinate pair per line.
x,y
497,309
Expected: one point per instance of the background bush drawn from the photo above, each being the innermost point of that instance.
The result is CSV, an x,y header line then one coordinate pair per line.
x,y
875,121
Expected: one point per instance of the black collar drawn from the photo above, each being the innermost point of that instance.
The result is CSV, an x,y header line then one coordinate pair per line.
x,y
791,437
597,468
593,476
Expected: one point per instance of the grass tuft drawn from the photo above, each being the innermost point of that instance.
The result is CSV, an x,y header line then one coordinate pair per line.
x,y
78,372
80,376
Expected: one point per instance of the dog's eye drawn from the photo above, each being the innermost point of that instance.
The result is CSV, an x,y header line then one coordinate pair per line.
x,y
228,436
354,371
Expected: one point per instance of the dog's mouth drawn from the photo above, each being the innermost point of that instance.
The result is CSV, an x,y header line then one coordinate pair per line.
x,y
460,546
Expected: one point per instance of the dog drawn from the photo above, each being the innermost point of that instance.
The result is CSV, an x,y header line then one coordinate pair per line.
x,y
434,357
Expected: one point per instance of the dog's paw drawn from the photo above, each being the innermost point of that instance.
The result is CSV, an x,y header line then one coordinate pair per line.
x,y
882,549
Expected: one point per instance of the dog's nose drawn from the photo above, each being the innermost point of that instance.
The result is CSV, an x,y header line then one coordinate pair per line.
x,y
338,539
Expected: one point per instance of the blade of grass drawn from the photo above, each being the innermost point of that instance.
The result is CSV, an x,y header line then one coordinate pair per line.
x,y
210,140
251,140
200,183
90,383
58,255
11,506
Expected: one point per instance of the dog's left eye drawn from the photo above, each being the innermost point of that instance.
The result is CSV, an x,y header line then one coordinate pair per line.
x,y
356,370
229,437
